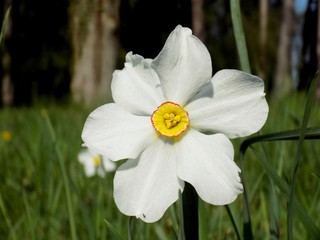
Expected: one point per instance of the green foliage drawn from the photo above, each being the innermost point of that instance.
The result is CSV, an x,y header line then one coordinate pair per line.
x,y
33,202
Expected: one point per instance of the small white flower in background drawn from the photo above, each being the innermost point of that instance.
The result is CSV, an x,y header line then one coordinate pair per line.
x,y
172,120
94,163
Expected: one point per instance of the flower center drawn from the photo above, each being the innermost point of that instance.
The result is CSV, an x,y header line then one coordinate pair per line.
x,y
96,161
170,120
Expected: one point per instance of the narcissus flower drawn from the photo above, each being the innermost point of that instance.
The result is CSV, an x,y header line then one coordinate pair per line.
x,y
94,163
172,120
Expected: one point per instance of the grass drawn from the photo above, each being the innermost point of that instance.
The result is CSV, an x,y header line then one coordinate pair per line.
x,y
33,203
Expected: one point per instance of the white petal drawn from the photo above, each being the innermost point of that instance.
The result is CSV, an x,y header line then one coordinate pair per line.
x,y
84,156
206,162
108,165
237,108
145,187
183,65
89,169
137,87
110,130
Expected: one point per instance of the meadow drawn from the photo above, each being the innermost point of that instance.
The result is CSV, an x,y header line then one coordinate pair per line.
x,y
44,193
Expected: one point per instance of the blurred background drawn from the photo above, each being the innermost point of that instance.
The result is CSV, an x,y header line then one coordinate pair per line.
x,y
66,51
56,66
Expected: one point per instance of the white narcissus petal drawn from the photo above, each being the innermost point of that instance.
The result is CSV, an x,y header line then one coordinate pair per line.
x,y
85,157
145,187
206,162
108,165
112,131
137,87
237,108
183,65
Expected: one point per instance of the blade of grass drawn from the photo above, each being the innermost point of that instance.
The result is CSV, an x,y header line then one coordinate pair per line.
x,y
274,206
130,228
247,228
6,218
203,225
161,235
31,221
64,174
174,216
274,212
299,134
4,26
245,66
181,218
114,231
310,134
233,222
307,112
284,188
239,35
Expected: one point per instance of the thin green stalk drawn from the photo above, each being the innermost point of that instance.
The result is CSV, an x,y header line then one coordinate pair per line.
x,y
284,188
114,231
4,27
181,217
247,229
233,222
239,35
64,175
6,218
203,225
130,228
310,100
274,206
245,66
310,134
175,217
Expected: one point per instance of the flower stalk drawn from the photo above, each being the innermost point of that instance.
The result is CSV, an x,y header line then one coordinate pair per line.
x,y
190,212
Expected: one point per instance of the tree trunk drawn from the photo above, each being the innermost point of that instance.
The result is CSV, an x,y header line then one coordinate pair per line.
x,y
95,46
281,78
198,19
318,49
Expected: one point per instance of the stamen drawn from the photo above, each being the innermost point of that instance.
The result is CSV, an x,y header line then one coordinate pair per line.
x,y
170,119
97,161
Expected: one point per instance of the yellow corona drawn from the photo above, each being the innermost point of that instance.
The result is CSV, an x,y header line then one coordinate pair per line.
x,y
170,119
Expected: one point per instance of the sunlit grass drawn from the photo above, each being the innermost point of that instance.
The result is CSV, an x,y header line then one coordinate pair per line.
x,y
33,200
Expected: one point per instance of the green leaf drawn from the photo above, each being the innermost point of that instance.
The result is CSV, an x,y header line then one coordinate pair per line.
x,y
310,133
114,231
308,223
245,66
306,116
239,35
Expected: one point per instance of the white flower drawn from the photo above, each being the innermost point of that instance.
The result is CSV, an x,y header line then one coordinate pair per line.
x,y
172,120
94,163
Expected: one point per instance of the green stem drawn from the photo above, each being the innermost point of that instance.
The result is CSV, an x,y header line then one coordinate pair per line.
x,y
190,212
